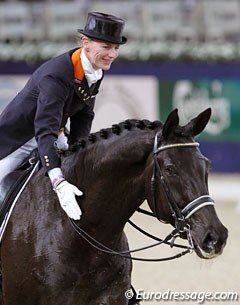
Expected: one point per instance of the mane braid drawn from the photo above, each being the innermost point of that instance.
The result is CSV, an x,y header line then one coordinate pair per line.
x,y
116,129
127,125
140,124
103,133
92,138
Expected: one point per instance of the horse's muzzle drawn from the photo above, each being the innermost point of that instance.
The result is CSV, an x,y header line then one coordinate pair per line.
x,y
212,244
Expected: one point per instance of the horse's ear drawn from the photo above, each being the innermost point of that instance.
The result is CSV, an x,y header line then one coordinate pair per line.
x,y
171,123
198,124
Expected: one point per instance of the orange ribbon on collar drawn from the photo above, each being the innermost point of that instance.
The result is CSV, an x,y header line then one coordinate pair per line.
x,y
77,65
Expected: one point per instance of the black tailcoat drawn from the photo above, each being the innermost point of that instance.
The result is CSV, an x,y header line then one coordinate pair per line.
x,y
42,108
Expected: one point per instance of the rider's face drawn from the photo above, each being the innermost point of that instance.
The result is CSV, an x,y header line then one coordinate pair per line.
x,y
101,54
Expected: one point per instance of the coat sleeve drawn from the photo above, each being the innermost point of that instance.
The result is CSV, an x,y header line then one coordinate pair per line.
x,y
53,93
81,122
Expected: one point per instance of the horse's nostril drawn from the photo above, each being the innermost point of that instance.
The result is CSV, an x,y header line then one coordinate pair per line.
x,y
213,243
209,243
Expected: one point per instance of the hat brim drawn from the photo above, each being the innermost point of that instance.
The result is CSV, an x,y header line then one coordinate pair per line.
x,y
92,35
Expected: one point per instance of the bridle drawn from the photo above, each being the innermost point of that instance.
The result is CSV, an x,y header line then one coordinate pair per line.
x,y
180,215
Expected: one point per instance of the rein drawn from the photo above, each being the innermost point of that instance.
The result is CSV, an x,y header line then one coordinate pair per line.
x,y
180,216
99,246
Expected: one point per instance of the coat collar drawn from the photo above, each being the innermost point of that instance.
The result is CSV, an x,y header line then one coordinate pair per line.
x,y
81,86
80,82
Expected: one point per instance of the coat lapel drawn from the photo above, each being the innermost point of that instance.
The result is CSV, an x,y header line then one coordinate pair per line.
x,y
80,82
82,89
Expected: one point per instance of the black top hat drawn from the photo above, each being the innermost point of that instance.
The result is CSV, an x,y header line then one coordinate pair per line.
x,y
104,27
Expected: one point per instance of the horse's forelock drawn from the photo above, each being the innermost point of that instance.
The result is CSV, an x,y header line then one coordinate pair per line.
x,y
181,132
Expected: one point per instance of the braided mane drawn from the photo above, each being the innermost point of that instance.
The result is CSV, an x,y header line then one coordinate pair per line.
x,y
116,129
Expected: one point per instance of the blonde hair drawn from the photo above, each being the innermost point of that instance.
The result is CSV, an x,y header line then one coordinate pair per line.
x,y
79,38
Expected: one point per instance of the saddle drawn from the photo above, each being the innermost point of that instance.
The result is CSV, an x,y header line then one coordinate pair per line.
x,y
14,183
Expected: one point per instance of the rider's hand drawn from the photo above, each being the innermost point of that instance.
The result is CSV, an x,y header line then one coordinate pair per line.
x,y
66,193
62,142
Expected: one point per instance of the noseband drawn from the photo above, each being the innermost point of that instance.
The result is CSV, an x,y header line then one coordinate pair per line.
x,y
180,215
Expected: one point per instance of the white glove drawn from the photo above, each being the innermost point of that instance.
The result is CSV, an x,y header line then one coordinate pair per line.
x,y
61,142
66,193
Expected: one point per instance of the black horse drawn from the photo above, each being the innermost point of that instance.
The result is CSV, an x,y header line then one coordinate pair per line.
x,y
46,262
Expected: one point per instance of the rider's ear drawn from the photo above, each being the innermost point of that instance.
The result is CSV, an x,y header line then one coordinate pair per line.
x,y
171,123
198,124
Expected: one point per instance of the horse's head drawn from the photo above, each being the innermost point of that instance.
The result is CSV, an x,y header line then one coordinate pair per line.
x,y
179,184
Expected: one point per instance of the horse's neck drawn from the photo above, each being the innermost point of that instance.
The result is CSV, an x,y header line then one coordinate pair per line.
x,y
113,180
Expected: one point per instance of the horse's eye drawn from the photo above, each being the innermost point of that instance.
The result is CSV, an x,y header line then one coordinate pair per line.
x,y
170,170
